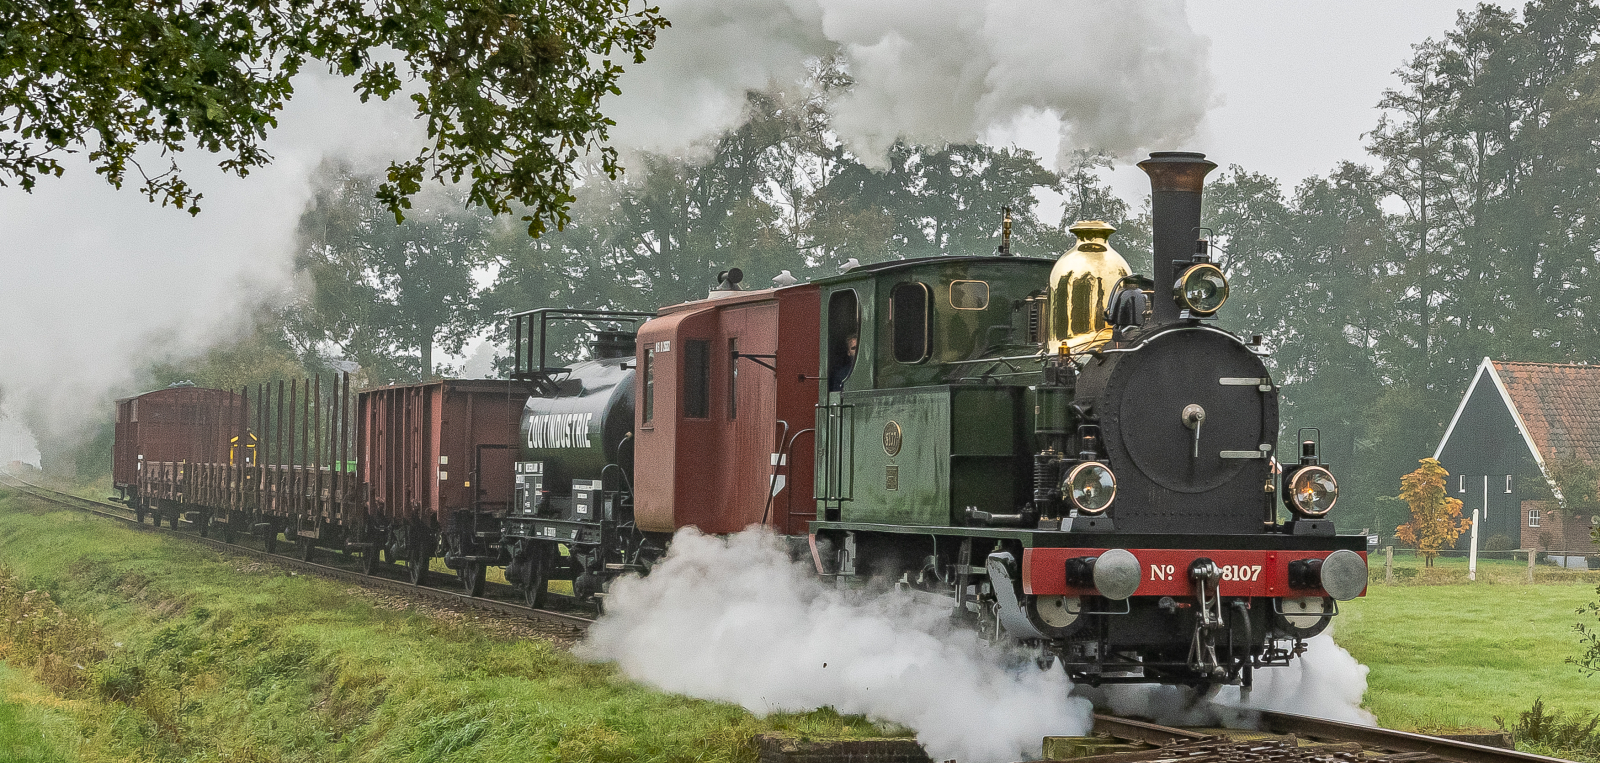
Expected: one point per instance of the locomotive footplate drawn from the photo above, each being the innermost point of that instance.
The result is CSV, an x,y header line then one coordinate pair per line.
x,y
1280,540
565,531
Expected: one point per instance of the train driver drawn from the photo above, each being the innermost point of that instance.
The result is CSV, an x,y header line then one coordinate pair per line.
x,y
841,370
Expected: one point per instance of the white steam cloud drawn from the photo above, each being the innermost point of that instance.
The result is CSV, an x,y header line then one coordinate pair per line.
x,y
733,619
96,282
1118,77
1325,682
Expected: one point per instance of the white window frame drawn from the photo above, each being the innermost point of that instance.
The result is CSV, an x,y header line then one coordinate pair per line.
x,y
1508,483
1533,517
1461,486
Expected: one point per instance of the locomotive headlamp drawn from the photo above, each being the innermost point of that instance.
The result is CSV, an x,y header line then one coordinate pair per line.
x,y
1201,289
1090,487
1311,492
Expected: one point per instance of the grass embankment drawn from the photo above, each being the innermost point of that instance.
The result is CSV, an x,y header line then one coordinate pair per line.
x,y
35,727
160,650
1449,654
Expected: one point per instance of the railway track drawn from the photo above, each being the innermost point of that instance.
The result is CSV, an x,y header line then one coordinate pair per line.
x,y
577,623
1289,738
1281,737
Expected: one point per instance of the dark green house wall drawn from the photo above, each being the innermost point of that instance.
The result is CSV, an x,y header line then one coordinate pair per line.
x,y
1484,447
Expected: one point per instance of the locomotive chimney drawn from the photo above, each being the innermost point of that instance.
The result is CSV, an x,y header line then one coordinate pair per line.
x,y
1176,178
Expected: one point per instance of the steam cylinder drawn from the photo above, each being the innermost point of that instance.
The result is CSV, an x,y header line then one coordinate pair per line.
x,y
1080,282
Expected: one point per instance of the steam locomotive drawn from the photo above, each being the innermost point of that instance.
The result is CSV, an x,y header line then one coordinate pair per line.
x,y
1074,456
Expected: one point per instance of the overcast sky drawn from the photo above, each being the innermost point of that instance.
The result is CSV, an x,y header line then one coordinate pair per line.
x,y
1298,81
93,281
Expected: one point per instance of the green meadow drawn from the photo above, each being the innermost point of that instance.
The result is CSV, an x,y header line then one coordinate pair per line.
x,y
1447,653
117,645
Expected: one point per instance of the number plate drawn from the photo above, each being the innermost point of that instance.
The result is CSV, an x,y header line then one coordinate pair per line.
x,y
1165,572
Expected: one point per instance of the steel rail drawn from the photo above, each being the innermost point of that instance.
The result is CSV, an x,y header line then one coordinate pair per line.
x,y
1385,743
121,513
1140,731
1397,741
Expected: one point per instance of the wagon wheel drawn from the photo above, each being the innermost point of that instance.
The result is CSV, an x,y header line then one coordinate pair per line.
x,y
205,525
417,565
472,576
307,548
138,512
270,543
537,590
369,559
229,535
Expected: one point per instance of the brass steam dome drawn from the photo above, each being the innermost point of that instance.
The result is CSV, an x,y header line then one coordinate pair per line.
x,y
1079,285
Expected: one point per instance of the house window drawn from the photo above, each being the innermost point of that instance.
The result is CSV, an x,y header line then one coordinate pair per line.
x,y
1508,483
1533,517
1461,487
696,379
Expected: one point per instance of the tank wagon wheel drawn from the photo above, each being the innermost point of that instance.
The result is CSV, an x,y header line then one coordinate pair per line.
x,y
537,590
472,575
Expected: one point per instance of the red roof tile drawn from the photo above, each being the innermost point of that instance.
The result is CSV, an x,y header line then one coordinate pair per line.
x,y
1560,404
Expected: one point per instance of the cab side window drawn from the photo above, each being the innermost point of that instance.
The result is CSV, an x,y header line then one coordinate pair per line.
x,y
844,337
909,318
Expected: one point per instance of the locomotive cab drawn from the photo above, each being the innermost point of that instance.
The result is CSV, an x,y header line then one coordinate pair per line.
x,y
926,424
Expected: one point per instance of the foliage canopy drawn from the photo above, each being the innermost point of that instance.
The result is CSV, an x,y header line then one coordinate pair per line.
x,y
509,89
1435,518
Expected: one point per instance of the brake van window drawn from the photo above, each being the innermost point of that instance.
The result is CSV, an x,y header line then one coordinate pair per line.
x,y
649,385
696,379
